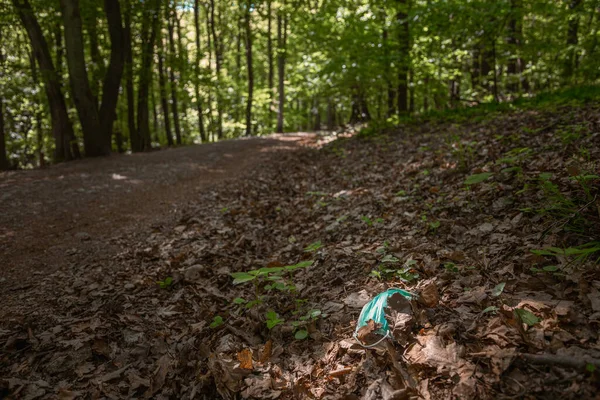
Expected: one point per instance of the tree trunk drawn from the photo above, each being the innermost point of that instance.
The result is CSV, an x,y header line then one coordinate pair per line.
x,y
96,123
172,63
197,69
218,59
572,61
38,114
515,65
163,92
391,93
404,49
183,74
95,143
149,32
250,70
3,158
270,61
136,141
97,67
317,114
66,147
281,53
210,132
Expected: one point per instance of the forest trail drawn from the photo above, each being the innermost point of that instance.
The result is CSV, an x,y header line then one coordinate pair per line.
x,y
80,208
240,269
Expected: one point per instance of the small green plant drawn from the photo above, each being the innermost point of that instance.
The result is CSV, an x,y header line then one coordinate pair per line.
x,y
272,319
165,284
526,316
451,267
433,226
366,220
387,270
477,178
311,248
578,253
216,322
301,332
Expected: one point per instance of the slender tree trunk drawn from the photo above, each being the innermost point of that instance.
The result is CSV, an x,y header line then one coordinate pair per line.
x,y
515,65
97,70
3,158
250,70
404,49
163,92
172,62
317,114
150,24
281,54
270,61
572,61
154,115
211,131
183,74
66,147
136,140
58,50
197,69
38,114
218,60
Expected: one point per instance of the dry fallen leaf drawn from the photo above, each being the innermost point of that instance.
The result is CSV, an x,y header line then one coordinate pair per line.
x,y
245,359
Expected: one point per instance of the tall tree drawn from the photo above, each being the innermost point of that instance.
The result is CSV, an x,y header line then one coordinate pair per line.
x,y
218,62
163,92
150,24
170,17
281,55
250,69
404,50
3,157
136,141
199,109
96,123
65,144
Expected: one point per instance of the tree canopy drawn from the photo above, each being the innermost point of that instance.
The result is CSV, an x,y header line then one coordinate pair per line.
x,y
87,77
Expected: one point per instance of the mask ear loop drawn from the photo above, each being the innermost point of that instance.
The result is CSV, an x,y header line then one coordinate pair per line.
x,y
368,346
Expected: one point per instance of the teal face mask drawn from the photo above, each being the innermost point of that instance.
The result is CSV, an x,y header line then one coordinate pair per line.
x,y
375,311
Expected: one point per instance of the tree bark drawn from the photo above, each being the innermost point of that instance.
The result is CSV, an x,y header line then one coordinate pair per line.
x,y
404,49
65,144
572,61
38,114
149,31
270,60
218,59
281,54
250,70
163,93
96,123
197,69
172,62
136,141
3,157
515,65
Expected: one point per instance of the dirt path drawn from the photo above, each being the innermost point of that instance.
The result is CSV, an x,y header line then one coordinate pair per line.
x,y
80,208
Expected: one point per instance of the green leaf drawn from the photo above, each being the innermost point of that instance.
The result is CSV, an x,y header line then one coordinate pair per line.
x,y
301,334
217,321
477,178
589,367
313,247
241,277
389,258
301,264
273,319
497,290
527,317
239,300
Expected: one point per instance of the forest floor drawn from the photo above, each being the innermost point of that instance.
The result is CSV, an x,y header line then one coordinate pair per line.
x,y
239,269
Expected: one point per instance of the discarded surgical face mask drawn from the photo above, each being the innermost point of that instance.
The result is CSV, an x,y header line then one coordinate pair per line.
x,y
373,327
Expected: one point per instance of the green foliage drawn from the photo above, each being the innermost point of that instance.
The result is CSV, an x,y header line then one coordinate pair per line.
x,y
272,319
477,178
216,322
311,248
166,283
